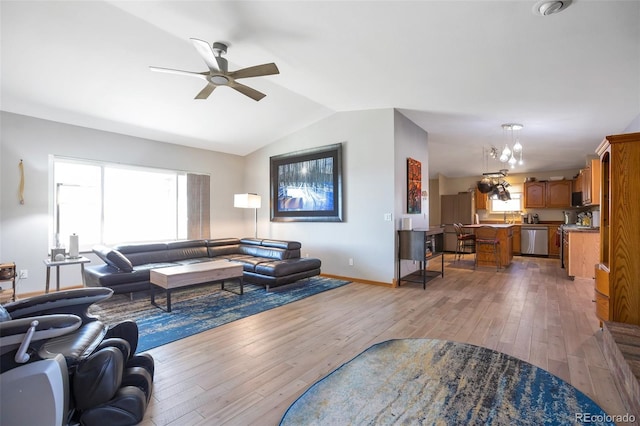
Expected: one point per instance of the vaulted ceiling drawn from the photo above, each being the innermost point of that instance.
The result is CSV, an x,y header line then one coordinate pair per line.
x,y
458,69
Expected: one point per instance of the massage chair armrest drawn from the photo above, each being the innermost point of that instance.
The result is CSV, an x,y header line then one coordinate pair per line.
x,y
15,332
76,302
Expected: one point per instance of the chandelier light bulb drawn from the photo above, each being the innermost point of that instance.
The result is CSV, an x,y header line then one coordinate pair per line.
x,y
506,153
520,162
512,161
517,147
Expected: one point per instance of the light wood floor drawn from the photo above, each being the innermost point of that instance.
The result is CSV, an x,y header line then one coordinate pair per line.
x,y
249,371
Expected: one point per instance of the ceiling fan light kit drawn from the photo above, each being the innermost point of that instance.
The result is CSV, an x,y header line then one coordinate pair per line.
x,y
219,75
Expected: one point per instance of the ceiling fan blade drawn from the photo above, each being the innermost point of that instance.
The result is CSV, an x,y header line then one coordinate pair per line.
x,y
215,63
248,91
204,93
256,71
180,72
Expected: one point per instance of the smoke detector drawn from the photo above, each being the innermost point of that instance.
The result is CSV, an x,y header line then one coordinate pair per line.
x,y
550,7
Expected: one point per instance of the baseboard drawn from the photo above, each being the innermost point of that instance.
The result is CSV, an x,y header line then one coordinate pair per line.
x,y
39,293
358,280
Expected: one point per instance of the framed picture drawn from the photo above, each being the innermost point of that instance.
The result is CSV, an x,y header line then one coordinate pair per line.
x,y
306,186
414,186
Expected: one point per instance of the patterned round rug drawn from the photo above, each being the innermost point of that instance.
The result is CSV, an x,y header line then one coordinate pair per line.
x,y
437,382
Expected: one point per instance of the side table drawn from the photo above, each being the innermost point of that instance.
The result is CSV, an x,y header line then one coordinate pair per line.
x,y
58,263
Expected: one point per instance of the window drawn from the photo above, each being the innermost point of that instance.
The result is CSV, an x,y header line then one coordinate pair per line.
x,y
113,203
512,205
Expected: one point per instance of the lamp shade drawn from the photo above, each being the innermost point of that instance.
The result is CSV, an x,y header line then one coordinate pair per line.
x,y
246,201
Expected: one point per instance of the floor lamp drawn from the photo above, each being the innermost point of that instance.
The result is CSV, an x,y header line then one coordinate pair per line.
x,y
248,201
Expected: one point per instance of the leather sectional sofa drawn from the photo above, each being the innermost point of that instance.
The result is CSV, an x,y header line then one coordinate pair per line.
x,y
266,262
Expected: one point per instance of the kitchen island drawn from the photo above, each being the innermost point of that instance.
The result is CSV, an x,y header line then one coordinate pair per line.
x,y
505,251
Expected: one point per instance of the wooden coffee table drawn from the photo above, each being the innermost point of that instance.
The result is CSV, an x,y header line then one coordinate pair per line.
x,y
173,277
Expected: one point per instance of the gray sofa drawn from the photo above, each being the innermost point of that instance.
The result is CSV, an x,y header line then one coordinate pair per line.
x,y
265,262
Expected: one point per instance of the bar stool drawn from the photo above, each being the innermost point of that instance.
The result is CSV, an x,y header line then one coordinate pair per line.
x,y
486,242
464,240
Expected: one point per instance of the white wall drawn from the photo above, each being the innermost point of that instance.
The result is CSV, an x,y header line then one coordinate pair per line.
x,y
634,126
411,141
24,229
368,193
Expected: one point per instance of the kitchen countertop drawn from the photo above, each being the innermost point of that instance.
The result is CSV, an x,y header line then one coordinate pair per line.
x,y
541,225
576,228
493,225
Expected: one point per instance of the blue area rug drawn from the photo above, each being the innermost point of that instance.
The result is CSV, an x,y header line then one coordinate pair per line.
x,y
437,382
199,308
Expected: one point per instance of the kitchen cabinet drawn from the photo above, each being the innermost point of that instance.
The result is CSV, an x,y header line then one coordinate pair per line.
x,y
583,250
617,285
559,194
481,200
565,249
552,194
554,249
590,187
516,240
535,194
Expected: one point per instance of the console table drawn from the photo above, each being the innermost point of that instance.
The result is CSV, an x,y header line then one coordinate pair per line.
x,y
421,245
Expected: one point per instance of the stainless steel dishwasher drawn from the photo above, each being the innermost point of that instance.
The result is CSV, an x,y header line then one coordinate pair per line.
x,y
534,240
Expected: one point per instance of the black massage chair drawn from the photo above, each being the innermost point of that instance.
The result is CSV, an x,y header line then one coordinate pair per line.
x,y
61,366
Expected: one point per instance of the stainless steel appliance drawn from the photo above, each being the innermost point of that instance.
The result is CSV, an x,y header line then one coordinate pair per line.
x,y
534,240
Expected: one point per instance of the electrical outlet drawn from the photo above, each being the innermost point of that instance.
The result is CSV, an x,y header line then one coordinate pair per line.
x,y
351,261
24,274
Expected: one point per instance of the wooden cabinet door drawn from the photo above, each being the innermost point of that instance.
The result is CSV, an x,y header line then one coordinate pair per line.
x,y
565,250
559,194
516,240
595,182
554,250
481,200
583,254
586,186
535,195
578,182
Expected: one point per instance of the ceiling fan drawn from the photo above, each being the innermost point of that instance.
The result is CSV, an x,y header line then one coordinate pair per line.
x,y
219,75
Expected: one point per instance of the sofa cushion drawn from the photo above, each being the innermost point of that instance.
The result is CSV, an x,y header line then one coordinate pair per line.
x,y
249,263
223,242
287,245
260,251
224,250
114,258
281,268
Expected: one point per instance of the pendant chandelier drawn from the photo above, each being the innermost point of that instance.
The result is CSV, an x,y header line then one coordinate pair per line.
x,y
511,155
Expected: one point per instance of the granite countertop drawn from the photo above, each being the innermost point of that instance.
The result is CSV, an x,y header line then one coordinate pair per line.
x,y
577,228
493,225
